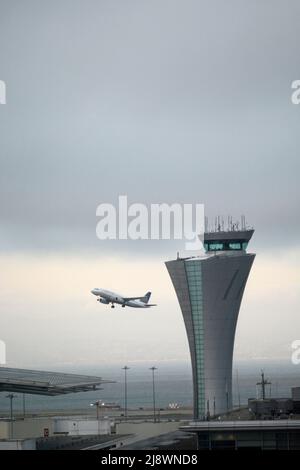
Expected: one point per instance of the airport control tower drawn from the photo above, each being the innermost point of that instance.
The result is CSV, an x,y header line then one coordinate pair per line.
x,y
209,289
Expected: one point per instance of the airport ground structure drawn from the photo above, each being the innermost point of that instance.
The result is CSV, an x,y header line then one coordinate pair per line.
x,y
246,435
47,383
209,289
77,429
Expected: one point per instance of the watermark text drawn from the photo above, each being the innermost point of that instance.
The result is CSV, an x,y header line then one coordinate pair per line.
x,y
163,221
2,92
296,353
2,352
295,97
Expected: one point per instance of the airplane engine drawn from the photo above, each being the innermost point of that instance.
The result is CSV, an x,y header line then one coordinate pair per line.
x,y
104,301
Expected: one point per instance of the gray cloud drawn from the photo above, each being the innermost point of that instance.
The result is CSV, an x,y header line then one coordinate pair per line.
x,y
163,101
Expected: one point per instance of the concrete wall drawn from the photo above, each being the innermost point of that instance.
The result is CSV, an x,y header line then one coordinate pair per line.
x,y
76,427
4,429
143,430
32,427
223,279
27,444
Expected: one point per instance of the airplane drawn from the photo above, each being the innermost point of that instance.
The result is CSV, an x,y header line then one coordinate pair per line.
x,y
108,297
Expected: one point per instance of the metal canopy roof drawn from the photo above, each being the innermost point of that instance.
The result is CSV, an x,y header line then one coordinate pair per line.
x,y
46,382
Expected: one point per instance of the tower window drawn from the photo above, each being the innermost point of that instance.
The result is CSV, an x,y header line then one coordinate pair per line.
x,y
225,245
215,246
235,246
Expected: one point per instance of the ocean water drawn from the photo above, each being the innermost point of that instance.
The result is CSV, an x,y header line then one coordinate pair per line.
x,y
173,384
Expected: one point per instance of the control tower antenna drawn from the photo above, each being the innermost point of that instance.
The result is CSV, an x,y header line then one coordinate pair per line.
x,y
206,223
243,222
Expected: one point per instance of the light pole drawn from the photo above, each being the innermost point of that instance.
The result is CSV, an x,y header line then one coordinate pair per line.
x,y
238,388
227,397
125,368
24,412
11,396
153,391
263,384
97,404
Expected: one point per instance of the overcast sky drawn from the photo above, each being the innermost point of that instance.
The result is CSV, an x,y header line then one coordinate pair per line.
x,y
164,101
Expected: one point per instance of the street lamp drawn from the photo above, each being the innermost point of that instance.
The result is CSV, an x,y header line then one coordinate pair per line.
x,y
153,390
11,396
125,368
97,404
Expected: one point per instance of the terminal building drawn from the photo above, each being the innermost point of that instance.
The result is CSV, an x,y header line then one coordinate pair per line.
x,y
209,289
246,435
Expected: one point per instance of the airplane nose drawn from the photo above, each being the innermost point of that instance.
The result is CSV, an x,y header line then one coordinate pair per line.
x,y
93,291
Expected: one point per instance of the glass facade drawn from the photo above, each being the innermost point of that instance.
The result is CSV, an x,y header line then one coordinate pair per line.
x,y
249,440
194,278
215,246
235,246
225,245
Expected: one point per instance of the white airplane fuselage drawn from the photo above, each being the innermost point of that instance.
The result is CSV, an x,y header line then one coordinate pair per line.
x,y
109,297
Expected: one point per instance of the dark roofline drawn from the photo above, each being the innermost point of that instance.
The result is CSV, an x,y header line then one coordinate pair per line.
x,y
241,235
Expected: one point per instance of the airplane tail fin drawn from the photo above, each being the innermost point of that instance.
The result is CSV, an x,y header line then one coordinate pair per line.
x,y
146,297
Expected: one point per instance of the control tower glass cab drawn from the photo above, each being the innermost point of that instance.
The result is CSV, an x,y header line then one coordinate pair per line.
x,y
227,241
209,289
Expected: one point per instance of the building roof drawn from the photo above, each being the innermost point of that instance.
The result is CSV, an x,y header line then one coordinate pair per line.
x,y
253,425
46,382
170,440
83,442
244,235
